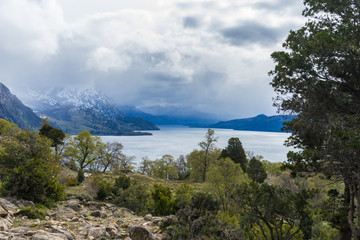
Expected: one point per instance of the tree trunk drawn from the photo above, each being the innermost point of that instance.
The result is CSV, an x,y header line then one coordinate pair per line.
x,y
345,230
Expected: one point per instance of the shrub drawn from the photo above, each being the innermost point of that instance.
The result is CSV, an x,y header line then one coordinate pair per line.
x,y
104,191
163,202
32,212
135,198
122,182
30,170
71,182
80,176
183,195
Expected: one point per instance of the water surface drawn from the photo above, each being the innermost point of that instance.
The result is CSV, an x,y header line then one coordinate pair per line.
x,y
179,140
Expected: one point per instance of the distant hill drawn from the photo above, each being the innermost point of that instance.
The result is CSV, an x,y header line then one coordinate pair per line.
x,y
74,110
170,115
259,123
13,110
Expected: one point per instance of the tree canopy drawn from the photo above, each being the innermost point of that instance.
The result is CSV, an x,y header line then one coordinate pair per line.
x,y
317,77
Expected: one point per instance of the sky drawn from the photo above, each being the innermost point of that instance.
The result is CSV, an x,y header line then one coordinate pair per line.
x,y
212,56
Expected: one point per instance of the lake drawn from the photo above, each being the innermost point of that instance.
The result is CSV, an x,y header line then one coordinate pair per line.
x,y
179,140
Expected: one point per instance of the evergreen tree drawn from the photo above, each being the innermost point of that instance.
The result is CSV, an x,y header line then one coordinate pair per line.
x,y
256,170
235,152
317,77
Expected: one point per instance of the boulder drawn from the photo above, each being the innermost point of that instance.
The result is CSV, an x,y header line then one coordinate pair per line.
x,y
148,217
140,233
66,212
42,235
24,203
96,232
7,205
5,224
3,212
56,229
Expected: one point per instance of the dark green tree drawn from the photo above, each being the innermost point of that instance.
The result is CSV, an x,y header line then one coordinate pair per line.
x,y
235,152
256,170
317,77
55,135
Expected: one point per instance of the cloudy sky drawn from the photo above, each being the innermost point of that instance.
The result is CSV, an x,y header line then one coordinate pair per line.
x,y
212,55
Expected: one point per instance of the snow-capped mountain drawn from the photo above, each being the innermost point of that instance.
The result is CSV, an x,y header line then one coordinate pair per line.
x,y
45,100
74,110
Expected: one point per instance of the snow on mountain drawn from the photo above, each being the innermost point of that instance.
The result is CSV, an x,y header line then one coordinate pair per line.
x,y
48,99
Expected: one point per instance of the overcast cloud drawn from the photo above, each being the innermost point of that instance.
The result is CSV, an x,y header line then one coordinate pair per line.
x,y
212,55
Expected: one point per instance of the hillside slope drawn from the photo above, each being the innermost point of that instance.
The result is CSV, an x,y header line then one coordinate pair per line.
x,y
13,110
261,123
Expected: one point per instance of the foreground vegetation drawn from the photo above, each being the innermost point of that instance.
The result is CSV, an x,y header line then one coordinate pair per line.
x,y
214,193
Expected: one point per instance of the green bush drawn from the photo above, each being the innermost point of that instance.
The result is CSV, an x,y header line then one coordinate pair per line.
x,y
29,168
104,190
80,176
136,197
32,212
71,182
122,182
163,202
183,195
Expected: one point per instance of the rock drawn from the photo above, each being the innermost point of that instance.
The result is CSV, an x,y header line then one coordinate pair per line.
x,y
66,212
157,220
42,235
56,229
95,214
196,225
112,231
140,233
74,207
24,203
21,230
3,212
12,236
5,224
94,205
148,217
7,205
96,232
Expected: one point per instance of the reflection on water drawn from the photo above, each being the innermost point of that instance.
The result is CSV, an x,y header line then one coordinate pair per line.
x,y
178,140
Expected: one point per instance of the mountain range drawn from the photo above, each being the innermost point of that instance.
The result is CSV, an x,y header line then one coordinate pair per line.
x,y
170,115
13,110
75,110
260,123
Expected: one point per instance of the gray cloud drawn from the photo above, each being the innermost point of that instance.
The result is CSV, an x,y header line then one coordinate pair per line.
x,y
191,22
171,54
250,32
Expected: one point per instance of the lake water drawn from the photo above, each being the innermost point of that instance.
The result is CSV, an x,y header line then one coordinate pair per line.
x,y
178,140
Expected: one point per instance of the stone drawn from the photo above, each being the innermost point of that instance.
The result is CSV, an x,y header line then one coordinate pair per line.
x,y
140,233
56,229
24,203
95,214
42,235
3,212
96,232
148,217
66,212
7,205
112,231
157,220
5,224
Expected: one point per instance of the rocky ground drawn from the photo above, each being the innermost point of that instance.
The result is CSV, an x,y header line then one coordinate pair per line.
x,y
75,219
